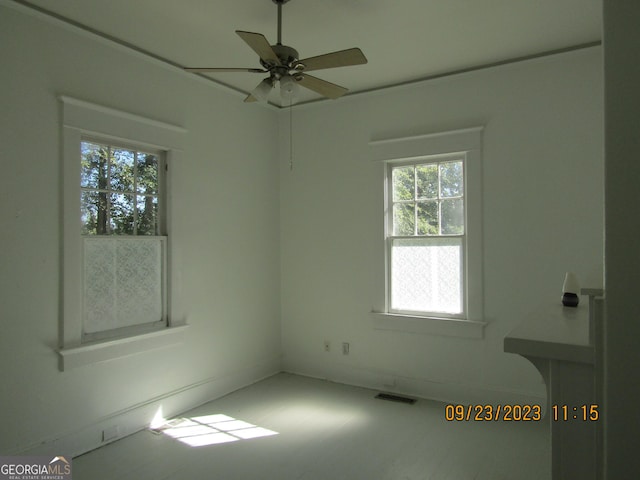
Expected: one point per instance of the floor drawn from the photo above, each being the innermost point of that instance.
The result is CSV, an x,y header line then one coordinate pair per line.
x,y
290,427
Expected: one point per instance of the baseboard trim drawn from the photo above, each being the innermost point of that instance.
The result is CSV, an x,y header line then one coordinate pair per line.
x,y
415,387
125,422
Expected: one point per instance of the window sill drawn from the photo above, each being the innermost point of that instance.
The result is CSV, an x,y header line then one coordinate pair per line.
x,y
82,355
449,327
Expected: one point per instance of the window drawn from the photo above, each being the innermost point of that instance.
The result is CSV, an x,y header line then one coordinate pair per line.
x,y
120,296
428,274
426,237
123,252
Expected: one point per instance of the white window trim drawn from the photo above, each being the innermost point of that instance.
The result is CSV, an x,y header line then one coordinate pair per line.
x,y
81,119
413,150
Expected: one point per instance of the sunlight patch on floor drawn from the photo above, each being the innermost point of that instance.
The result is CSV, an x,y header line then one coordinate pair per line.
x,y
205,430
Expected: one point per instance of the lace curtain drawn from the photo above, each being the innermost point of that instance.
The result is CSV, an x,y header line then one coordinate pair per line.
x,y
122,282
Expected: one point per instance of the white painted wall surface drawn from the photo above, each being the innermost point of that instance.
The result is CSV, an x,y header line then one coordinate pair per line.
x,y
225,239
543,216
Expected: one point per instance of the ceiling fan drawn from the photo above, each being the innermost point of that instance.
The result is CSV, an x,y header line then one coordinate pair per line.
x,y
283,66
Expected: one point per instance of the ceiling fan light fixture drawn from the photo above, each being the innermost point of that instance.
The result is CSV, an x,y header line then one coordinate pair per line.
x,y
262,91
288,88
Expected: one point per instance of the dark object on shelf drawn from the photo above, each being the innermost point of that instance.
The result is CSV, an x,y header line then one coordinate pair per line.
x,y
570,300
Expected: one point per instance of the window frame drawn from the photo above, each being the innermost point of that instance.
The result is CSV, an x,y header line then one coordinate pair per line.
x,y
82,120
465,143
390,237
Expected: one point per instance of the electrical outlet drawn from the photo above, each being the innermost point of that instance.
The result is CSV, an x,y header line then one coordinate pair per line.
x,y
327,346
345,348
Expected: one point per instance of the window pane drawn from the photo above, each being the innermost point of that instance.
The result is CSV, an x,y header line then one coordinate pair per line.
x,y
89,212
138,281
404,219
426,275
453,217
99,287
147,215
93,213
427,181
94,163
428,218
122,170
403,183
451,179
147,171
122,214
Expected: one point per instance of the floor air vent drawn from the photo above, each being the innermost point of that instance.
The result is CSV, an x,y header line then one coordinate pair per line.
x,y
396,398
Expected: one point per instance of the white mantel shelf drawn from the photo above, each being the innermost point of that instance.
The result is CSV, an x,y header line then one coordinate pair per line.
x,y
553,332
560,342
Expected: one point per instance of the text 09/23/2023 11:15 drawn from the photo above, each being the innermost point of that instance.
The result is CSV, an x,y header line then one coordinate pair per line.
x,y
519,413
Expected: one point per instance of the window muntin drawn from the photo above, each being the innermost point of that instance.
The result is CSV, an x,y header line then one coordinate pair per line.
x,y
426,237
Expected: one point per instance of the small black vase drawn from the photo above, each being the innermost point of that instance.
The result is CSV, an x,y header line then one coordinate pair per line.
x,y
570,299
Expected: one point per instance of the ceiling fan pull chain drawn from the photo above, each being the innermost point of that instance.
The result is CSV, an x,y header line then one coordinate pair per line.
x,y
290,135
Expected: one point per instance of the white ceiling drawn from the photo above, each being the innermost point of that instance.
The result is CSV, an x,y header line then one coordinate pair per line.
x,y
404,40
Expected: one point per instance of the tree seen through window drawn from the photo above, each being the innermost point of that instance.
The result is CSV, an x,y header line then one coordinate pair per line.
x,y
428,199
119,190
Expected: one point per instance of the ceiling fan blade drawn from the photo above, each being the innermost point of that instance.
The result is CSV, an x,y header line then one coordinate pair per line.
x,y
250,98
260,45
342,58
214,70
324,88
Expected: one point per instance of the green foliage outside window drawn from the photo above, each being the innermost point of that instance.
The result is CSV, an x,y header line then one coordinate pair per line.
x,y
119,191
428,199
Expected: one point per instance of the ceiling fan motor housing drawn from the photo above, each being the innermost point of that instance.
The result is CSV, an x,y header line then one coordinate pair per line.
x,y
287,55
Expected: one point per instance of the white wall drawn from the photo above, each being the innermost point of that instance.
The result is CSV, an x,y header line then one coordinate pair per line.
x,y
622,355
543,215
225,239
